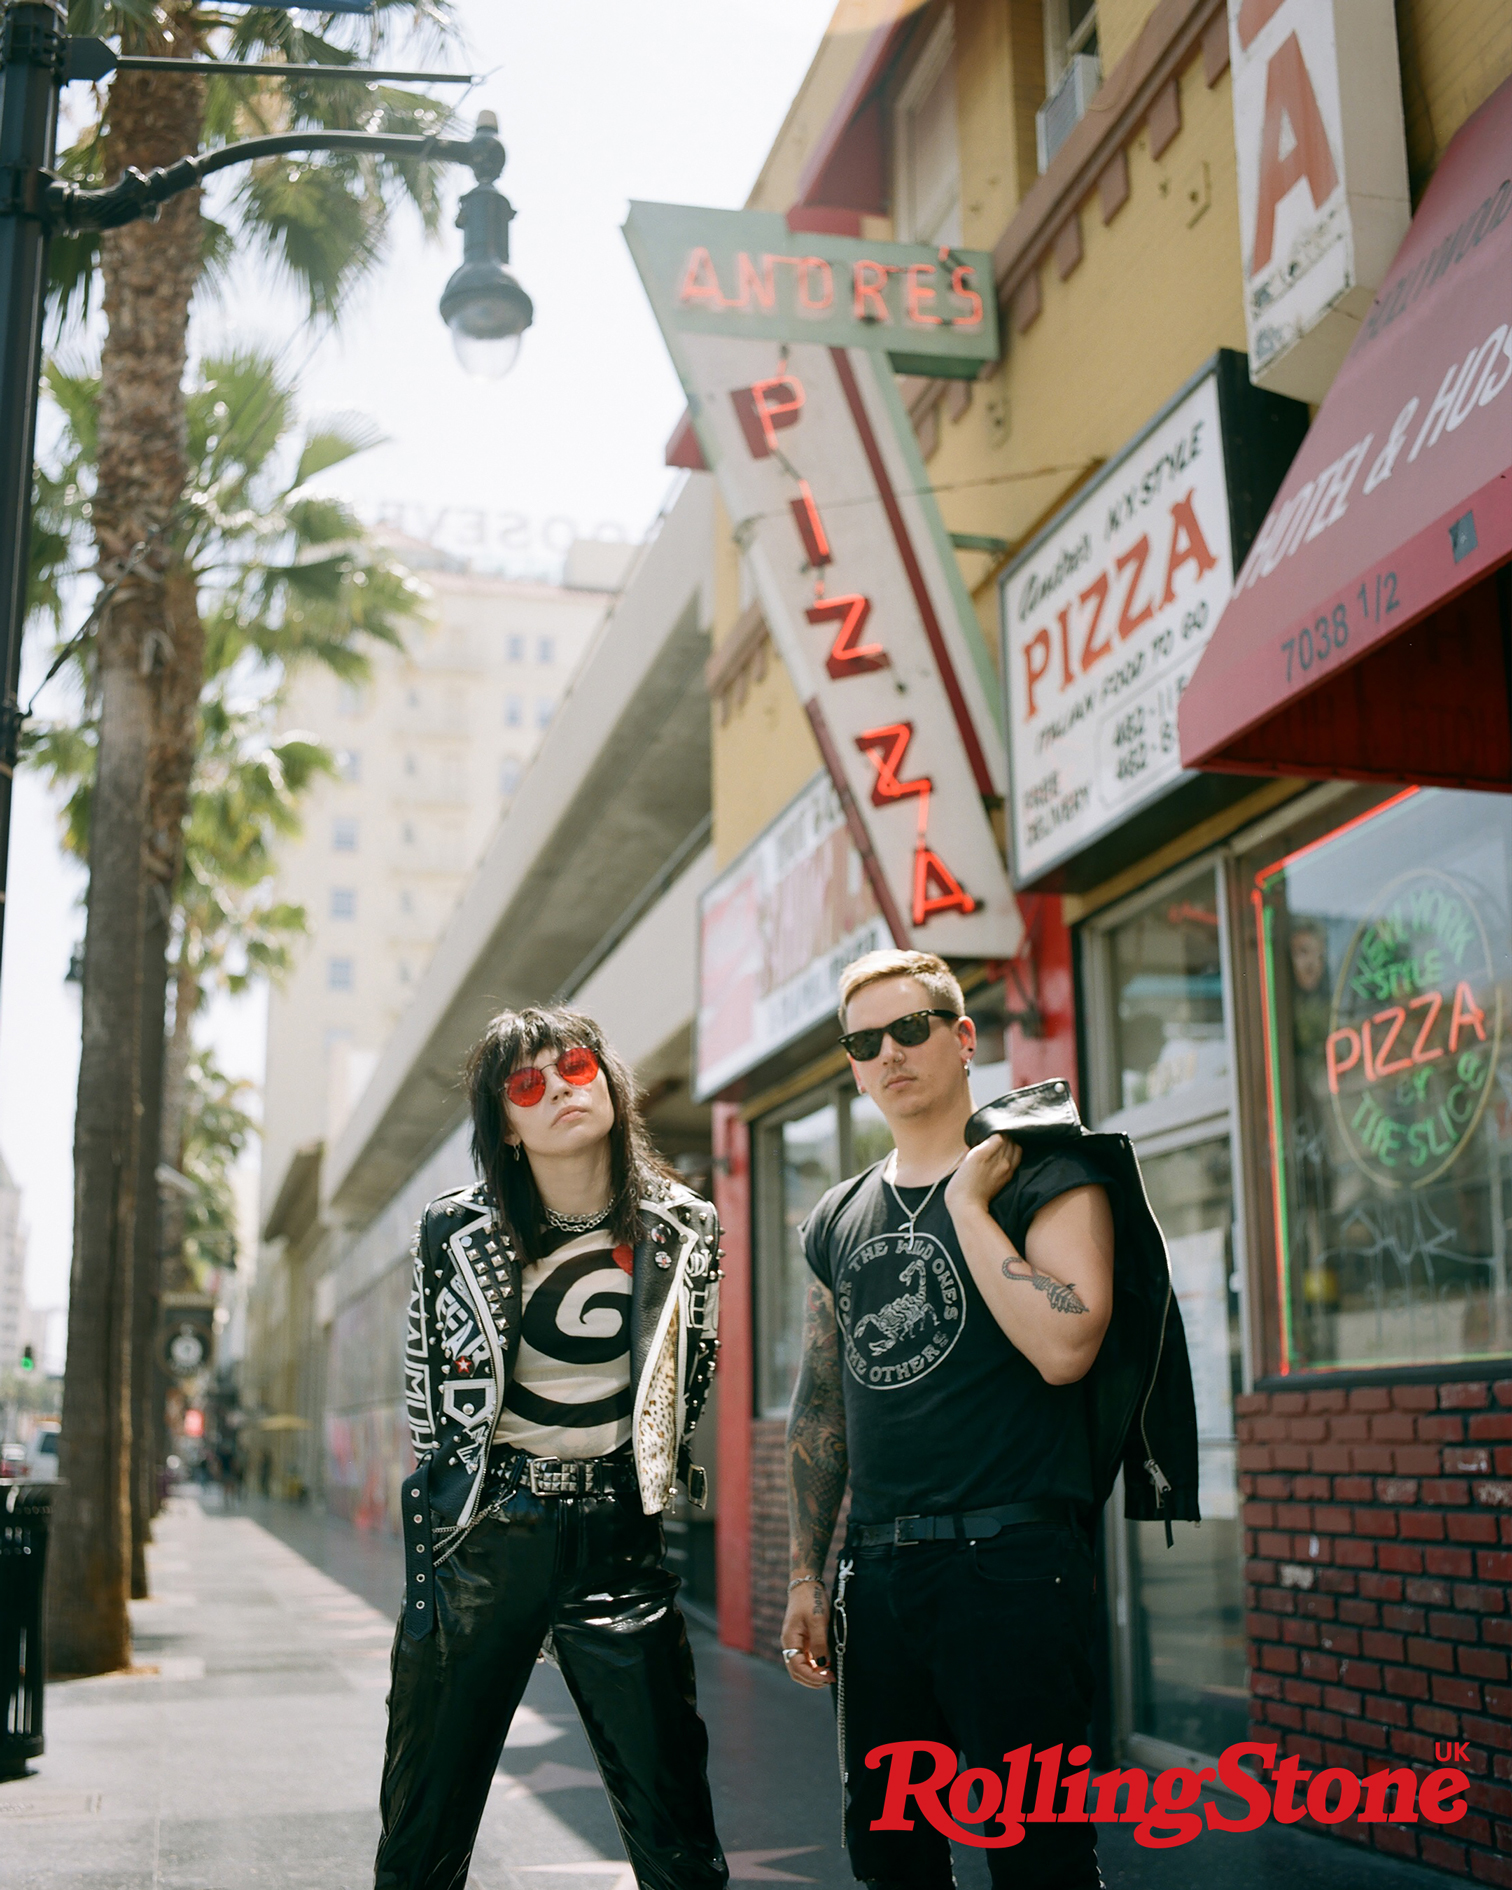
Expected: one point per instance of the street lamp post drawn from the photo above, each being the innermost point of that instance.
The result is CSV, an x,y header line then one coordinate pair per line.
x,y
485,308
32,49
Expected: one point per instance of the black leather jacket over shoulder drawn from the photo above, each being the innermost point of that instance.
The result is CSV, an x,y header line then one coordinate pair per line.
x,y
1141,1412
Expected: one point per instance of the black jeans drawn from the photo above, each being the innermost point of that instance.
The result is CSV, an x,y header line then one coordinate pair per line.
x,y
589,1570
984,1647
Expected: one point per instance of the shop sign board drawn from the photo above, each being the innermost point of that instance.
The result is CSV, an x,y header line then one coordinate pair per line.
x,y
775,932
1321,150
787,347
1103,619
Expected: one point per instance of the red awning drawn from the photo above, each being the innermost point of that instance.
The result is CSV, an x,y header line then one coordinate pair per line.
x,y
1367,637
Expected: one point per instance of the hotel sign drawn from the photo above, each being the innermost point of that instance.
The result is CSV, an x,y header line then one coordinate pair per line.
x,y
787,347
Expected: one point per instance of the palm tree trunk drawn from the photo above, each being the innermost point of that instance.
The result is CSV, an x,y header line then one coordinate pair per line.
x,y
146,1263
90,1564
179,677
149,272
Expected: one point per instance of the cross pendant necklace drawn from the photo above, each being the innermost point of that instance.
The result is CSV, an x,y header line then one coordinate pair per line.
x,y
912,1219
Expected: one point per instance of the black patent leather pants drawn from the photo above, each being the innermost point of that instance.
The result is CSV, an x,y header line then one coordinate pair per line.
x,y
589,1570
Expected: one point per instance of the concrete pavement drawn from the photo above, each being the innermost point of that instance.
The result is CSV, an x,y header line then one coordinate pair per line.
x,y
246,1750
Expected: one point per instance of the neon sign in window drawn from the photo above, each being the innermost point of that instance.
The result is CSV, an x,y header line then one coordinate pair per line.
x,y
1385,953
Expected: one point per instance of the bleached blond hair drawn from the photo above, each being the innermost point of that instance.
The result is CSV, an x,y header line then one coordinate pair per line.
x,y
923,967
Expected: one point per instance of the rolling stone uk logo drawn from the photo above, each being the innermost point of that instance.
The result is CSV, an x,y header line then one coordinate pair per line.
x,y
900,1309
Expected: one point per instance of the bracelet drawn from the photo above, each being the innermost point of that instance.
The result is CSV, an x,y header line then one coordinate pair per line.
x,y
799,1580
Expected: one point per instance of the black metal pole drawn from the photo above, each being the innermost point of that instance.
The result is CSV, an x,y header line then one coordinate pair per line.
x,y
32,48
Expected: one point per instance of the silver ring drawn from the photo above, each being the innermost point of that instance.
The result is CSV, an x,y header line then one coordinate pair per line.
x,y
789,1653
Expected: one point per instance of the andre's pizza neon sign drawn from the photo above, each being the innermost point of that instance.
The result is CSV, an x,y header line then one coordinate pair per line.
x,y
788,346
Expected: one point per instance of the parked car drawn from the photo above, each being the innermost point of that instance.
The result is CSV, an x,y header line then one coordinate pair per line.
x,y
13,1463
44,1458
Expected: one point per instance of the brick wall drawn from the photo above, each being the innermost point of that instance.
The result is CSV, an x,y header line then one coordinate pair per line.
x,y
1378,1545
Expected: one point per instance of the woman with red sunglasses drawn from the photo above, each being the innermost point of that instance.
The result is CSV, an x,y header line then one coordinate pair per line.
x,y
561,1341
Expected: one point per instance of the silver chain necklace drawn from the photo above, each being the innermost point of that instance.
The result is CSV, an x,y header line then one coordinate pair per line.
x,y
912,1218
575,1223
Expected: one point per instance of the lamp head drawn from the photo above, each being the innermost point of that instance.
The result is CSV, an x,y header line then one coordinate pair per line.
x,y
484,307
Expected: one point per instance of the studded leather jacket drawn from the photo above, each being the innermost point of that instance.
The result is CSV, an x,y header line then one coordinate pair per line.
x,y
464,1333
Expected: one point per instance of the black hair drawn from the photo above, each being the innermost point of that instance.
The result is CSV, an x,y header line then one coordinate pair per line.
x,y
512,1040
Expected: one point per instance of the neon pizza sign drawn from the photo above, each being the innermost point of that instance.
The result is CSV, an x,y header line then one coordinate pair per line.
x,y
1415,1031
788,354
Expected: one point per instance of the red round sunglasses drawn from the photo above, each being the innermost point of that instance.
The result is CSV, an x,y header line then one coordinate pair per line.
x,y
526,1087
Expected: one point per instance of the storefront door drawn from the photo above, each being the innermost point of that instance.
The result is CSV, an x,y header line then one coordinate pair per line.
x,y
1162,1072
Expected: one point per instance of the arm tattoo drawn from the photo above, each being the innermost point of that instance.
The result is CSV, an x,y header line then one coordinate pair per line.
x,y
817,1459
1062,1298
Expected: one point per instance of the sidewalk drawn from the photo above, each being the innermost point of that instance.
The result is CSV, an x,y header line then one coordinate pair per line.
x,y
250,1756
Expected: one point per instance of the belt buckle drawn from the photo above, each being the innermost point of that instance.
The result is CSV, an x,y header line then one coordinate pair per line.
x,y
545,1476
905,1542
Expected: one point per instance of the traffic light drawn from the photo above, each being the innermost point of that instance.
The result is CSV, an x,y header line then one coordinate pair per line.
x,y
28,1359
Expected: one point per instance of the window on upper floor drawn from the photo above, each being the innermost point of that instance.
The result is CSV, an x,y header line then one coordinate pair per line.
x,y
543,709
344,836
1073,72
509,775
515,649
406,900
349,764
545,649
514,711
343,902
351,699
341,974
411,766
926,153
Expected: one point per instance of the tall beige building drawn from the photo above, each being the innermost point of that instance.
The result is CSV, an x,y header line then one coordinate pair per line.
x,y
430,751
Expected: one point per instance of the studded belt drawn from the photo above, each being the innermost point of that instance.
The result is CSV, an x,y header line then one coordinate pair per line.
x,y
510,1470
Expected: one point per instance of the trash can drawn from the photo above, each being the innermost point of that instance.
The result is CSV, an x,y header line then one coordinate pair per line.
x,y
25,1511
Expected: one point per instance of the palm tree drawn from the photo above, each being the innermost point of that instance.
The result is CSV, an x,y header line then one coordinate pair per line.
x,y
148,652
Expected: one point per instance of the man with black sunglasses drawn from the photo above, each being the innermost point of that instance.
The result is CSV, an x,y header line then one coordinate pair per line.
x,y
956,1303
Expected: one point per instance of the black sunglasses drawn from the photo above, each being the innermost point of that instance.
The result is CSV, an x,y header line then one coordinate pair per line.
x,y
909,1032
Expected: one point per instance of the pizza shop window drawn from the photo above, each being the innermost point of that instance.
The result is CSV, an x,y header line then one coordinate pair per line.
x,y
1381,947
1166,985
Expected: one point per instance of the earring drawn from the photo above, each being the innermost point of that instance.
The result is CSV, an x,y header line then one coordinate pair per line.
x,y
514,1149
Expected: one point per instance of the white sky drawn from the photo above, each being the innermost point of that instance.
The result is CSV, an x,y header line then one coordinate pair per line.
x,y
668,100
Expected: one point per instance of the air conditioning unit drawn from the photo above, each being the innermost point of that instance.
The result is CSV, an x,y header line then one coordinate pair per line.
x,y
1063,110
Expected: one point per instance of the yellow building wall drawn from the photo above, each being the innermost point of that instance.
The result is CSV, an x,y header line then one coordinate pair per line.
x,y
1454,54
763,755
1156,292
1000,85
1118,26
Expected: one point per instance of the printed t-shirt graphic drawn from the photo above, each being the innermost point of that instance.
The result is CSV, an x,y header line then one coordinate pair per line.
x,y
943,1413
900,1307
569,1395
